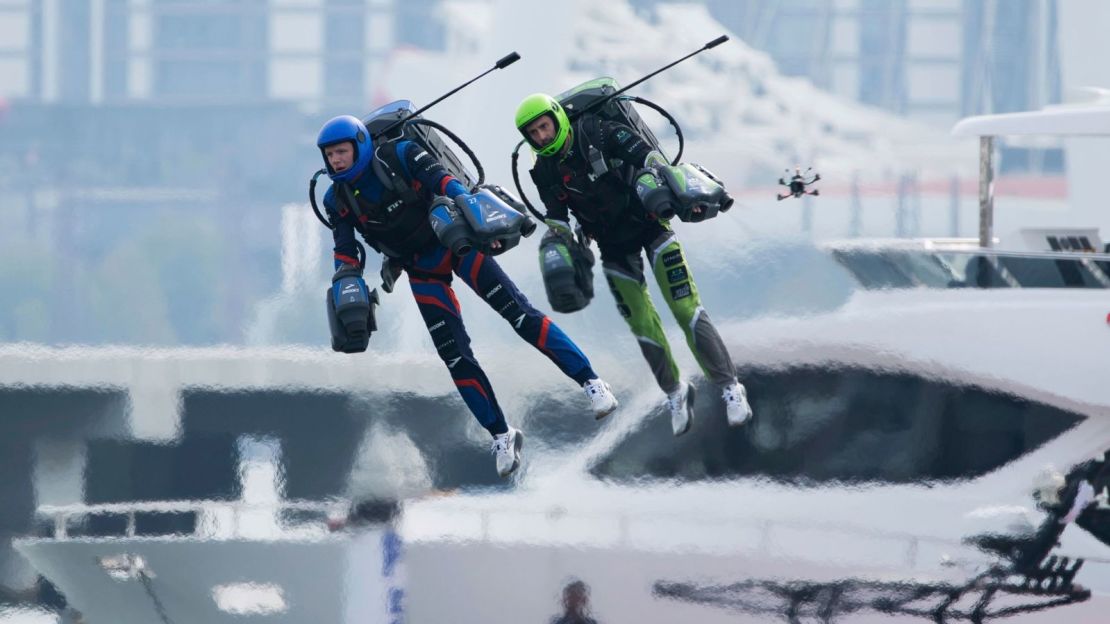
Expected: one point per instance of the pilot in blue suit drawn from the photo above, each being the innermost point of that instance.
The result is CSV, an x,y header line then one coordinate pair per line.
x,y
396,225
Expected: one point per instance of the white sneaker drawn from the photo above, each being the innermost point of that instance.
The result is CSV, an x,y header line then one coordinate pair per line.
x,y
681,404
601,398
736,404
506,446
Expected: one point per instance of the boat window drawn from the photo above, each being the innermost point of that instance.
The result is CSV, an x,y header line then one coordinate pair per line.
x,y
1049,273
873,269
926,269
1070,243
816,425
976,271
201,467
878,269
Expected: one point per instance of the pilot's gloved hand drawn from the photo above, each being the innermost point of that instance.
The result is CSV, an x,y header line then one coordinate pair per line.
x,y
656,197
450,226
350,307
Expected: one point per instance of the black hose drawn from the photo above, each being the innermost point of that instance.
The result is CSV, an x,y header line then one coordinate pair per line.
x,y
659,109
312,199
361,255
328,224
516,181
454,137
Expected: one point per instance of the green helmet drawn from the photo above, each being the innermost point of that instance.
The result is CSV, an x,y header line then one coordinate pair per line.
x,y
535,106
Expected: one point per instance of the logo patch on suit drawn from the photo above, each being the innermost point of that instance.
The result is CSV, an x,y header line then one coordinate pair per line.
x,y
672,258
677,274
680,292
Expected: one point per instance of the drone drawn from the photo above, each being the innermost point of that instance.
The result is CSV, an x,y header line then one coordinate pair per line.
x,y
798,183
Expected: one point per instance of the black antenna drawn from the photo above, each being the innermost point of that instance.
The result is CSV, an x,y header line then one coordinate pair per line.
x,y
712,44
504,62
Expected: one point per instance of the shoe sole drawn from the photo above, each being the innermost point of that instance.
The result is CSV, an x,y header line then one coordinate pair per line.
x,y
616,404
740,423
518,442
600,415
689,411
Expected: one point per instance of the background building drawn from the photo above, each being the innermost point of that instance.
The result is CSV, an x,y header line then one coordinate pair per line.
x,y
156,141
930,60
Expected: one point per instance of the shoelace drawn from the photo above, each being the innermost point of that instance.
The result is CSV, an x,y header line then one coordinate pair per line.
x,y
733,394
501,443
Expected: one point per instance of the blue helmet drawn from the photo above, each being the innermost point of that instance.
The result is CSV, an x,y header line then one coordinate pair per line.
x,y
346,128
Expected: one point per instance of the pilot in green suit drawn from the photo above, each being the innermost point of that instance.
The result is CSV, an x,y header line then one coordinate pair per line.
x,y
609,210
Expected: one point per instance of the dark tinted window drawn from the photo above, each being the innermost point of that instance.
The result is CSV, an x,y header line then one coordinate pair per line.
x,y
197,467
1049,273
817,425
976,271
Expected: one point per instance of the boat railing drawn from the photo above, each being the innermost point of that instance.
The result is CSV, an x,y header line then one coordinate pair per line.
x,y
206,519
716,534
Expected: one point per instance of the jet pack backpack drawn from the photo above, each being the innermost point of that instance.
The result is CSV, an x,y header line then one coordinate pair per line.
x,y
486,215
690,185
616,109
423,135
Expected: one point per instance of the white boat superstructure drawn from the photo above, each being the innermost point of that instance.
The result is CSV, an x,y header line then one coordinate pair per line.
x,y
619,501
